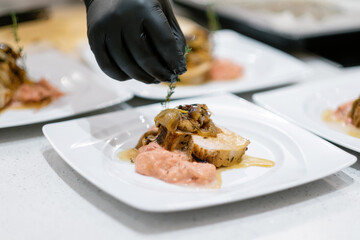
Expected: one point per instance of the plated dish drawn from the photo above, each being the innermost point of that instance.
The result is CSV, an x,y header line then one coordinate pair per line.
x,y
81,90
263,67
202,65
186,147
92,145
319,107
346,117
17,90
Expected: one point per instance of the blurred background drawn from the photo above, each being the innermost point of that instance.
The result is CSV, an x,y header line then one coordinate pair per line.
x,y
22,6
327,28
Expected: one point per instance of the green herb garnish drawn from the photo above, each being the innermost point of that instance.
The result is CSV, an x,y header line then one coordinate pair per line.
x,y
187,50
14,28
172,85
212,18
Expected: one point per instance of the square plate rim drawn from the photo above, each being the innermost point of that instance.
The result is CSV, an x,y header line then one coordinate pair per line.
x,y
259,98
126,93
306,179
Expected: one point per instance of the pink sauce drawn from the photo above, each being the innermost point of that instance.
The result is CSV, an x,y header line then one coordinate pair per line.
x,y
342,112
36,92
223,69
172,167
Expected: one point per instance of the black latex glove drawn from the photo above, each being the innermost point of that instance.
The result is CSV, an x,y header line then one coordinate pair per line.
x,y
138,39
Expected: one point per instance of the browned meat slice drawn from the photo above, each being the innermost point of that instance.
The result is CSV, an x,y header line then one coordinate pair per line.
x,y
5,96
355,113
147,137
11,75
178,140
226,149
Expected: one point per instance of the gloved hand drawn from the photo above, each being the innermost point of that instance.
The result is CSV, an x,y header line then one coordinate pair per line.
x,y
138,39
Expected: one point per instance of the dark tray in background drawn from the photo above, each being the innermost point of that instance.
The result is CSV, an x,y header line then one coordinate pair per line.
x,y
342,47
33,14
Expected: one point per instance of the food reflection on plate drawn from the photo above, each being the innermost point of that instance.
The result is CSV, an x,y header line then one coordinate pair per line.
x,y
202,67
17,90
345,118
185,147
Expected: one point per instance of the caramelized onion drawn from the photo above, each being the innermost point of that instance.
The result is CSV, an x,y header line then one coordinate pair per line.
x,y
193,118
210,131
168,118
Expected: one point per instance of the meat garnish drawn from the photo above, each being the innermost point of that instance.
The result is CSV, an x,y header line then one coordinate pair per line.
x,y
193,118
355,113
349,113
202,66
11,74
5,96
185,146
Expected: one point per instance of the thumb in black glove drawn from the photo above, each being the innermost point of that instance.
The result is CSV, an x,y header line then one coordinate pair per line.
x,y
138,39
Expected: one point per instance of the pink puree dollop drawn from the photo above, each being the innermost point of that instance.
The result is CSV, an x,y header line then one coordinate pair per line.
x,y
173,167
223,69
342,112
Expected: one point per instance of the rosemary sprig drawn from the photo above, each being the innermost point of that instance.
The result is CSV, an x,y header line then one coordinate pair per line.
x,y
187,50
212,18
172,85
14,28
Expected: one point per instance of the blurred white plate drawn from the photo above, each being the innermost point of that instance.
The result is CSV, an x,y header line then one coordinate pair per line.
x,y
84,90
297,19
90,146
304,105
263,66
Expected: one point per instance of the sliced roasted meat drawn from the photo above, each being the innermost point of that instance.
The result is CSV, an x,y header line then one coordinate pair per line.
x,y
355,113
11,75
226,149
189,129
5,96
178,140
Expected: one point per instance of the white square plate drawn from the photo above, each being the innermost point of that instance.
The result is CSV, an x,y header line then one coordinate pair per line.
x,y
304,105
263,66
90,146
84,90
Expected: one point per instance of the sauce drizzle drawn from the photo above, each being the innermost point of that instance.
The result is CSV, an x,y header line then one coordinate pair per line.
x,y
339,125
128,155
247,161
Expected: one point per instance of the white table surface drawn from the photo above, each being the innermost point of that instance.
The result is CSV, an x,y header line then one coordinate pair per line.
x,y
41,197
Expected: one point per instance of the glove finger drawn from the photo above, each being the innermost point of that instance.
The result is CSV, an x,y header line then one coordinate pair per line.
x,y
105,62
122,56
147,58
162,37
179,36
